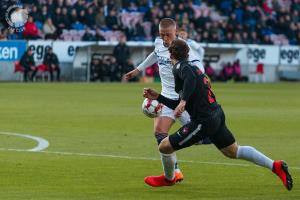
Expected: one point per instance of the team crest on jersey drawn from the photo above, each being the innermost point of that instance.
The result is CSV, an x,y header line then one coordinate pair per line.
x,y
185,130
164,61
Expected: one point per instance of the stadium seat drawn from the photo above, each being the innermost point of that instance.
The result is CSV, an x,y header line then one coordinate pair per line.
x,y
259,73
43,70
19,70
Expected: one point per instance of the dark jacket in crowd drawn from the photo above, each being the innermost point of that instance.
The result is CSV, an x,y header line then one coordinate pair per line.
x,y
27,61
51,58
121,53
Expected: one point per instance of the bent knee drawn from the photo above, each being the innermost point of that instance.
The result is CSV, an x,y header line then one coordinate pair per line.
x,y
230,151
165,146
230,154
161,129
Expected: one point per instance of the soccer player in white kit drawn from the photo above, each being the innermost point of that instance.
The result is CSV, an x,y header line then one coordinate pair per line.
x,y
161,55
194,46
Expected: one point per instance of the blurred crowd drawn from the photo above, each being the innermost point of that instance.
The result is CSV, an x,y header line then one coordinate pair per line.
x,y
229,72
112,67
216,21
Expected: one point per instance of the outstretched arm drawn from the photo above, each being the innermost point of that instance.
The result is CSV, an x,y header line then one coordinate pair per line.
x,y
150,60
152,94
168,102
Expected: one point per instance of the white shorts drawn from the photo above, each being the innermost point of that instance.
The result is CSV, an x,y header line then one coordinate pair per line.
x,y
168,112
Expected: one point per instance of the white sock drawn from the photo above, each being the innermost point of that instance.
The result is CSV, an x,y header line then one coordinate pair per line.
x,y
251,154
168,161
176,163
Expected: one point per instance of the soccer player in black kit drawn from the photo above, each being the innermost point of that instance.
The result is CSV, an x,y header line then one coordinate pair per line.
x,y
207,120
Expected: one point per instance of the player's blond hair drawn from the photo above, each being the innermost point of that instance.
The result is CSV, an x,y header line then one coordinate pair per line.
x,y
166,23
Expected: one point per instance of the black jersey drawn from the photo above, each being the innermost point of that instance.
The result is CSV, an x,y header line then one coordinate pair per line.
x,y
194,87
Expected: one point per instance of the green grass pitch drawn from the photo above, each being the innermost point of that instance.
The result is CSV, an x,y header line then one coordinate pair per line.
x,y
102,146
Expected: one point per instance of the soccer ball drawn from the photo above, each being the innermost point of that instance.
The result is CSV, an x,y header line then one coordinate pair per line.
x,y
151,108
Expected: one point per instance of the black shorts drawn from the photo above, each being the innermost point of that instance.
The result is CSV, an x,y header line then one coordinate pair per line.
x,y
214,128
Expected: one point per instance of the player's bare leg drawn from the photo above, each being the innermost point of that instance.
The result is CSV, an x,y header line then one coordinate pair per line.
x,y
168,161
162,126
279,167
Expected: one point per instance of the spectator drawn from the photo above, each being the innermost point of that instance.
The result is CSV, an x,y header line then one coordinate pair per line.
x,y
95,70
73,17
77,26
50,7
65,18
138,32
228,38
52,63
44,15
82,19
298,38
149,71
253,38
154,28
35,14
237,70
12,35
105,74
31,31
210,71
205,37
100,18
266,40
263,17
245,37
49,29
121,52
57,18
88,36
227,72
115,70
90,17
99,36
237,38
3,34
132,7
112,20
28,63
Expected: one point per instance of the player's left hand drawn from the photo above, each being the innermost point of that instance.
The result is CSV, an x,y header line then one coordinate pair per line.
x,y
150,94
180,108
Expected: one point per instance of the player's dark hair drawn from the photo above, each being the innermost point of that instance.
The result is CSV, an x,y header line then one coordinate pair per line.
x,y
179,50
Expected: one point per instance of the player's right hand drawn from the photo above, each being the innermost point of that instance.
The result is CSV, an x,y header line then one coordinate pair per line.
x,y
131,74
150,94
180,108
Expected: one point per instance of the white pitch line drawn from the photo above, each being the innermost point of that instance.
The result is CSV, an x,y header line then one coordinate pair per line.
x,y
42,143
138,158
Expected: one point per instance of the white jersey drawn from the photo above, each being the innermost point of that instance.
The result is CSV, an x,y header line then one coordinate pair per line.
x,y
196,47
165,67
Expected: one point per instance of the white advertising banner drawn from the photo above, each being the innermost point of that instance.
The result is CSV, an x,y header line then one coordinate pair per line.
x,y
289,55
66,50
263,54
39,48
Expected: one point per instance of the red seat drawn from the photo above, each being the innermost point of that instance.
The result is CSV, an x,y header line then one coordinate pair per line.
x,y
19,70
42,68
18,67
260,68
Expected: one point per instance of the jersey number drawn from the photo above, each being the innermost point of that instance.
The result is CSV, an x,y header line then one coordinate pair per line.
x,y
210,94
